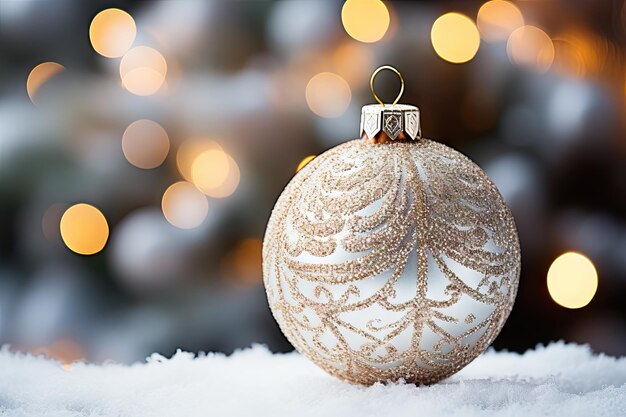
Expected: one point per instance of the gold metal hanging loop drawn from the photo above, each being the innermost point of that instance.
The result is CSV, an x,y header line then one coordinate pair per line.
x,y
390,68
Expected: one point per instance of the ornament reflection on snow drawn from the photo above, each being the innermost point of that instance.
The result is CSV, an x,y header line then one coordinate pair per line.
x,y
392,256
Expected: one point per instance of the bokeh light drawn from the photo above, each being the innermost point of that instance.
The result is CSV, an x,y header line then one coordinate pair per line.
x,y
365,20
302,25
354,62
328,95
112,32
580,53
147,254
189,150
530,47
184,206
572,280
497,19
455,38
215,173
304,162
39,75
143,70
568,58
210,169
84,229
145,144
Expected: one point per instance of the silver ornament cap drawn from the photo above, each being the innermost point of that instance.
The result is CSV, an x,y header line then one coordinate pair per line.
x,y
395,121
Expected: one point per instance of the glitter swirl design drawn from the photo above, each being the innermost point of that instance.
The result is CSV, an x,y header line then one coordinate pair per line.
x,y
391,261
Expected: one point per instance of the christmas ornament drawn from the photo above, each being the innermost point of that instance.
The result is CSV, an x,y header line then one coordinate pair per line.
x,y
391,256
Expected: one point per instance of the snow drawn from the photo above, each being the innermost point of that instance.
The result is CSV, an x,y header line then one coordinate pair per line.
x,y
557,380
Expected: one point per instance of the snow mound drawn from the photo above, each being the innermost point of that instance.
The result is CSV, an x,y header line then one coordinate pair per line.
x,y
557,380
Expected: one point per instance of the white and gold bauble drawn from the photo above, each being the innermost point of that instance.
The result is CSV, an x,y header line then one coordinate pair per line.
x,y
391,256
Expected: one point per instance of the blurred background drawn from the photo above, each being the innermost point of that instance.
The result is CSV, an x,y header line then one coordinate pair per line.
x,y
144,143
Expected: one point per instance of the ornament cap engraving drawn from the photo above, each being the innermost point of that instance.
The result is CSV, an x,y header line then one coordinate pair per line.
x,y
396,122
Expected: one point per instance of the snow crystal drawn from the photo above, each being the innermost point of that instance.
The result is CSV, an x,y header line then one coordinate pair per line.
x,y
557,380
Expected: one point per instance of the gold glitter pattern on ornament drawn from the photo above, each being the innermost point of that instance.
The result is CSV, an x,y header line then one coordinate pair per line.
x,y
391,261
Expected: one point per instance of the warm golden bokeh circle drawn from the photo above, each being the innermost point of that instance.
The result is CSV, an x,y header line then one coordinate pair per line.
x,y
497,19
365,20
328,95
354,62
145,144
189,150
112,32
184,206
210,169
572,280
84,229
455,38
143,70
39,75
215,173
530,47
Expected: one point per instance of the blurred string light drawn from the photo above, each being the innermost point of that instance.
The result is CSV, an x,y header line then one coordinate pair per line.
x,y
184,206
580,53
569,103
145,144
568,58
189,150
328,95
145,252
497,19
309,25
84,229
455,38
143,70
215,173
572,280
112,32
39,75
530,47
210,169
304,162
365,20
354,62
